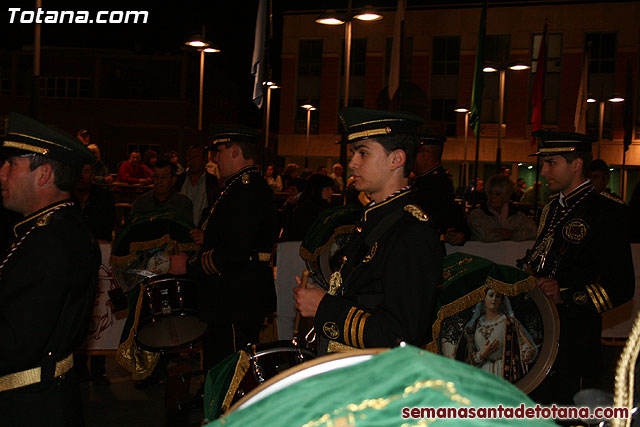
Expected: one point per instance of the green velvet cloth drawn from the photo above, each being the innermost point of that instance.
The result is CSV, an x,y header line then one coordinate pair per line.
x,y
327,222
216,385
149,226
464,273
374,393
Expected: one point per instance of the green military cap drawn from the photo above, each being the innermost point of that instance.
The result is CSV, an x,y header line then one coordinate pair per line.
x,y
22,135
226,134
362,123
428,137
551,143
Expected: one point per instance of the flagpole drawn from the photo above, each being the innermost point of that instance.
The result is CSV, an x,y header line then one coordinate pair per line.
x,y
478,85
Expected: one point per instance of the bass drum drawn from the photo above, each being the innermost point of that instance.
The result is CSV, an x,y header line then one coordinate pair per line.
x,y
169,314
317,366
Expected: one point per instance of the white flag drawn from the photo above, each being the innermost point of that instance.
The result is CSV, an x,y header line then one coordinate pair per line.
x,y
257,63
580,119
394,69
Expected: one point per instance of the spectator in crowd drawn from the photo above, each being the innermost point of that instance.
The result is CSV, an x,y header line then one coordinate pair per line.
x,y
150,158
598,172
322,170
100,170
475,195
529,195
197,184
336,176
519,190
503,170
290,173
306,174
132,172
163,194
84,136
274,180
315,198
497,219
172,156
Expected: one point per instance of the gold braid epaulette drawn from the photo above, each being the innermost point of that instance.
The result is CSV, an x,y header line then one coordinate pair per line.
x,y
612,197
418,213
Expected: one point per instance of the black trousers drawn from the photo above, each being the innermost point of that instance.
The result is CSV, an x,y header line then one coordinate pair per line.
x,y
578,361
57,404
225,338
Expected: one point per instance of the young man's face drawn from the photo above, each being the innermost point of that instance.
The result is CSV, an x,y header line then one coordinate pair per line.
x,y
163,181
559,173
371,166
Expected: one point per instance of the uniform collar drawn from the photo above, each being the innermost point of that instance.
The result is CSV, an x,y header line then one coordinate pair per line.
x,y
375,209
572,197
247,169
31,220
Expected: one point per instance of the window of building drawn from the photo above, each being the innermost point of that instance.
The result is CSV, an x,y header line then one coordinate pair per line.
x,y
496,48
308,86
358,57
442,110
444,81
446,55
496,53
551,94
69,87
602,52
310,58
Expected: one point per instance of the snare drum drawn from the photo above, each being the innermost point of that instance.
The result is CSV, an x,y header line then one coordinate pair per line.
x,y
227,383
169,314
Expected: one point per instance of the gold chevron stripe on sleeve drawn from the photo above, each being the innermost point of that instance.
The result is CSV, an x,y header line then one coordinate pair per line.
x,y
593,298
347,322
605,295
361,329
596,292
353,329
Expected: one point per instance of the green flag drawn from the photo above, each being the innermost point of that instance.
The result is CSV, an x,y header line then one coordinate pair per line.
x,y
478,80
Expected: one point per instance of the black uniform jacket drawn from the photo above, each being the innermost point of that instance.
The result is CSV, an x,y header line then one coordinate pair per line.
x,y
434,193
590,255
232,280
47,294
388,294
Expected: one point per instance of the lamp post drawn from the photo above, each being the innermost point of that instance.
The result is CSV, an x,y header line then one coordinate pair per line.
x,y
309,109
332,18
591,100
503,76
465,166
203,46
270,86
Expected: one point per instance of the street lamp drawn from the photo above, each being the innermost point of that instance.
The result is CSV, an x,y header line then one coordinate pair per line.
x,y
332,18
270,86
309,109
502,68
200,43
465,166
591,100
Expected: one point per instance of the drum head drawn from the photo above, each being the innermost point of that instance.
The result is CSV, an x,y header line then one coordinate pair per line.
x,y
301,372
170,332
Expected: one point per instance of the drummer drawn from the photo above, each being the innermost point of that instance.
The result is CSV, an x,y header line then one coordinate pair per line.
x,y
384,293
235,282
